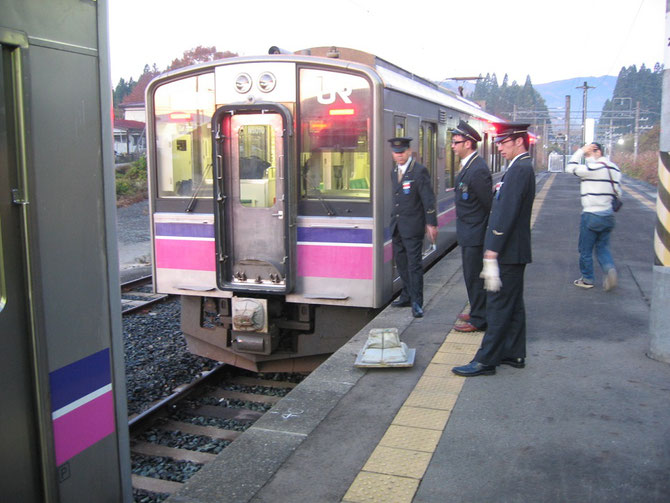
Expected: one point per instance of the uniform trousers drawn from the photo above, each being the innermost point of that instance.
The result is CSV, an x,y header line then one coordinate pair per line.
x,y
407,252
472,266
505,335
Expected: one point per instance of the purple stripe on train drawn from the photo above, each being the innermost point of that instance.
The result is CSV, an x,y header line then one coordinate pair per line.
x,y
332,235
184,230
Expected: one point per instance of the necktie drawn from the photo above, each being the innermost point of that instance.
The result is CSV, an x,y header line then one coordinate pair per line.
x,y
399,174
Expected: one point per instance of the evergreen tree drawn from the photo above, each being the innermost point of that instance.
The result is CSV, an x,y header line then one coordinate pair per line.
x,y
511,100
633,86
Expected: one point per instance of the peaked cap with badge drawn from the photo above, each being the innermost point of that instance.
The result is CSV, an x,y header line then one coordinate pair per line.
x,y
399,144
506,129
466,131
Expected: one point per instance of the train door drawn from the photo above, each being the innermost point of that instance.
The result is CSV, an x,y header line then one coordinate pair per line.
x,y
20,478
252,198
427,157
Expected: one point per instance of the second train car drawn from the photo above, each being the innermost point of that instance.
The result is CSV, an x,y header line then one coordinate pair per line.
x,y
270,196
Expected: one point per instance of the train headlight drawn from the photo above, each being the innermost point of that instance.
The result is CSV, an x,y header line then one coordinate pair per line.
x,y
266,82
243,83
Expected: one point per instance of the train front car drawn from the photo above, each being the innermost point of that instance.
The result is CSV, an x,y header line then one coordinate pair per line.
x,y
262,210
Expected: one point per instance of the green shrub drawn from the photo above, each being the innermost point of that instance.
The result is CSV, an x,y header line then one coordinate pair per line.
x,y
131,183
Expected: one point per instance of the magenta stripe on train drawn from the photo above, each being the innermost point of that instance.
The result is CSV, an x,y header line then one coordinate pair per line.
x,y
350,262
84,426
193,255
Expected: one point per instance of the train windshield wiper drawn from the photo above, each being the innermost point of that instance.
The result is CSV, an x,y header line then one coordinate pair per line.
x,y
329,210
191,203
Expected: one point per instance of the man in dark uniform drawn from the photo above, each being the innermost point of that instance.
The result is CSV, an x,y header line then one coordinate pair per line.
x,y
507,251
473,204
413,215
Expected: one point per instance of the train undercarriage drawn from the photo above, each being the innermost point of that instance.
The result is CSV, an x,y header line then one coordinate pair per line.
x,y
268,334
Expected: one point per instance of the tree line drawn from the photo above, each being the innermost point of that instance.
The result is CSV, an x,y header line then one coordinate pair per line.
x,y
512,102
193,56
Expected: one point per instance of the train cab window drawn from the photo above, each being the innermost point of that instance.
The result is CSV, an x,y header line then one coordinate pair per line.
x,y
183,111
334,124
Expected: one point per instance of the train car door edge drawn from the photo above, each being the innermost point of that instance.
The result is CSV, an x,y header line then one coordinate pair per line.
x,y
253,213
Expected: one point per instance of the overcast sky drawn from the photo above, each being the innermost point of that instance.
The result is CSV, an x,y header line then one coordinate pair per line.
x,y
546,39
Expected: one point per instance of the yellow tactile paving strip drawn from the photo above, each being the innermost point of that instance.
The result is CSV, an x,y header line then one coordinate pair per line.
x,y
645,202
395,468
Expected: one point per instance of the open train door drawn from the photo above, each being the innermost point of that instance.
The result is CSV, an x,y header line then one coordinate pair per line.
x,y
254,217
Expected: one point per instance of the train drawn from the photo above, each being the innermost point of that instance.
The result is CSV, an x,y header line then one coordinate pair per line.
x,y
63,424
270,196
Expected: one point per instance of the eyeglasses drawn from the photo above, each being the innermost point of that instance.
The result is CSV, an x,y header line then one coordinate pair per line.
x,y
457,142
505,141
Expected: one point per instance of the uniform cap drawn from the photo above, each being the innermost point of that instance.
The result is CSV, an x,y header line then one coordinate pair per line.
x,y
506,129
399,144
467,131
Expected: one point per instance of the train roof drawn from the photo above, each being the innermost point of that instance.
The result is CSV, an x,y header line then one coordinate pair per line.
x,y
392,76
395,77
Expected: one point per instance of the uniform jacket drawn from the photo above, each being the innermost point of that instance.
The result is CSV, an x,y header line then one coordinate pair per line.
x,y
508,231
473,201
413,201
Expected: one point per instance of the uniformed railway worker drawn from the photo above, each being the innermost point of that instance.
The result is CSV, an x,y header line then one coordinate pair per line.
x,y
473,203
506,252
413,215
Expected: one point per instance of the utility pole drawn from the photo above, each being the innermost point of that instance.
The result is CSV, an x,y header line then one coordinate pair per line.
x,y
545,141
611,133
637,133
585,87
568,152
659,314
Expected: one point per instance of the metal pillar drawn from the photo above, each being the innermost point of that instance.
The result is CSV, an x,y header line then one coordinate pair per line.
x,y
659,316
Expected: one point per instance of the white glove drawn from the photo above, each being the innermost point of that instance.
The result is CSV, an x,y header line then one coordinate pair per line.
x,y
491,275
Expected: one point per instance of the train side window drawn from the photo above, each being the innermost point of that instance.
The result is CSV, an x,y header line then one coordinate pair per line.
x,y
451,160
427,146
334,122
399,126
183,111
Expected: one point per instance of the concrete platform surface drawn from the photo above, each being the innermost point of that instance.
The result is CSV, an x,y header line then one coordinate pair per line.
x,y
585,420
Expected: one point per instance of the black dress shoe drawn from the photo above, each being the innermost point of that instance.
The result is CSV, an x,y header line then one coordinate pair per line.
x,y
474,369
417,310
400,303
518,363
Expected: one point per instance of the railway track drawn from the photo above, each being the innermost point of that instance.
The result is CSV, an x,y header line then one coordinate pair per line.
x,y
178,435
137,294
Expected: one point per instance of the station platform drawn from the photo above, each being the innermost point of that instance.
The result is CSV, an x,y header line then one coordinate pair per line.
x,y
587,419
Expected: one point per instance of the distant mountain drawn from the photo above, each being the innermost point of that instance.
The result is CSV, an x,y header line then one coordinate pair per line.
x,y
554,93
